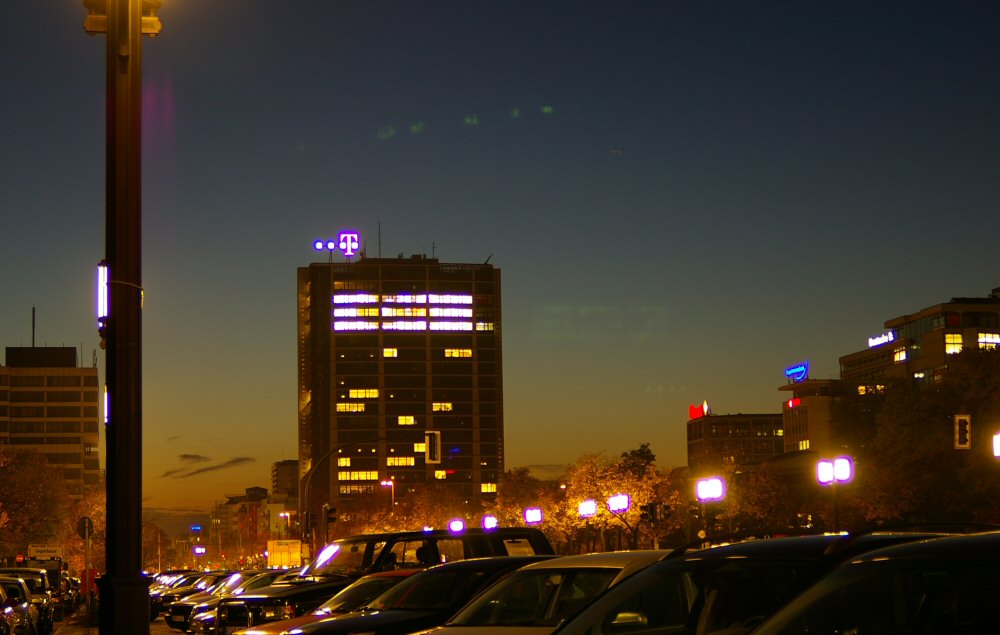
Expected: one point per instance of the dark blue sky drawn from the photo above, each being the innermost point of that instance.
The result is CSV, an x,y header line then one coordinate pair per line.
x,y
684,197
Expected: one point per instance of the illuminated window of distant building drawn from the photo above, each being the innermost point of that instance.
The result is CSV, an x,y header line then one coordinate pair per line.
x,y
357,475
435,298
484,326
403,312
354,298
952,343
357,489
363,393
804,445
440,474
442,406
458,352
451,312
989,340
400,461
488,488
344,461
779,433
899,355
342,312
420,448
918,375
350,407
406,420
390,352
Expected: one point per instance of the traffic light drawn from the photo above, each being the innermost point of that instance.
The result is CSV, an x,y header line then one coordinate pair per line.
x,y
963,432
331,515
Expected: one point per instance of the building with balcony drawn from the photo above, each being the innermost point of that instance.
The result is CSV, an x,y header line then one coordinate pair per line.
x,y
400,378
49,404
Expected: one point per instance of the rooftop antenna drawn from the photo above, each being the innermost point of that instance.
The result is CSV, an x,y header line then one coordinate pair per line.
x,y
380,239
488,259
433,249
32,327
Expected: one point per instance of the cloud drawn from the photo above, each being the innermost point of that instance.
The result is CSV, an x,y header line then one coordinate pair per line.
x,y
193,458
240,460
171,472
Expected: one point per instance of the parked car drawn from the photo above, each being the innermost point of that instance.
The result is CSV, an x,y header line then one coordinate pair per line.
x,y
718,589
199,609
22,612
422,601
8,618
351,598
937,586
187,585
38,584
163,585
345,560
538,597
178,613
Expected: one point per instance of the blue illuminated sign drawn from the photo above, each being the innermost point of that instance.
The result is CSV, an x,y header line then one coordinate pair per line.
x,y
797,373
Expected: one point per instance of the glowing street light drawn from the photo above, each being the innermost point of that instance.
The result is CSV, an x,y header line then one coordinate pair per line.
x,y
832,473
490,522
588,508
619,503
456,525
391,484
710,489
996,445
533,515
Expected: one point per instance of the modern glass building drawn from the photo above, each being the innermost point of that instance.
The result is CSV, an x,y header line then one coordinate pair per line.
x,y
400,378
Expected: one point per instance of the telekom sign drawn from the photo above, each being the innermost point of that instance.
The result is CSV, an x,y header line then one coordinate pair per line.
x,y
347,241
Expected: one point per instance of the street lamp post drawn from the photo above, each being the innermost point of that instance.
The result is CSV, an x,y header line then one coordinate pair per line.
x,y
391,484
833,473
124,606
709,490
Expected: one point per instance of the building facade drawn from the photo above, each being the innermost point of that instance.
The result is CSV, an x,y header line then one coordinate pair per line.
x,y
400,378
50,405
917,345
718,441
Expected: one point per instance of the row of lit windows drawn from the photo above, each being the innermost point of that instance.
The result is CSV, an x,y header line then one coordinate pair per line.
x,y
442,406
488,488
416,325
402,298
877,389
458,352
406,420
363,393
400,461
357,475
353,312
350,407
989,340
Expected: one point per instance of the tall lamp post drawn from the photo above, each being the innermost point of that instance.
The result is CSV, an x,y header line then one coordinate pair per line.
x,y
709,490
391,484
124,606
833,473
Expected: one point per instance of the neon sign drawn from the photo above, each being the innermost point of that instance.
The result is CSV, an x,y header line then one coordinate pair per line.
x,y
347,241
879,340
697,412
797,373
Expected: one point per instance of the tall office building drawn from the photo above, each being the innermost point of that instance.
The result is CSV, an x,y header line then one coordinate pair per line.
x,y
400,378
50,405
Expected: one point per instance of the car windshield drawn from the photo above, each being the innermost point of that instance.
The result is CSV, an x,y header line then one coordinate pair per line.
x,y
542,597
345,558
359,594
431,590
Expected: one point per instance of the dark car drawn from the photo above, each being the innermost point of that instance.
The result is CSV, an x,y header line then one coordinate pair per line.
x,y
38,583
17,606
203,582
937,586
163,585
183,613
424,600
279,601
723,588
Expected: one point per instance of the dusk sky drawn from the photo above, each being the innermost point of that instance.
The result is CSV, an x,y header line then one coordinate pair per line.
x,y
684,198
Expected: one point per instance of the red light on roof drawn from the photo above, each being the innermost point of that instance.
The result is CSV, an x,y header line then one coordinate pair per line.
x,y
794,402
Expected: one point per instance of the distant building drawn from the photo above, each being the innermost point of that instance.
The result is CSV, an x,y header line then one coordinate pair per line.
x,y
400,377
918,345
282,509
809,413
718,441
51,405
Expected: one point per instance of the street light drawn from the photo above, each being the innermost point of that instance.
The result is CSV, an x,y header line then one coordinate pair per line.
x,y
619,503
709,490
391,484
288,520
533,515
832,473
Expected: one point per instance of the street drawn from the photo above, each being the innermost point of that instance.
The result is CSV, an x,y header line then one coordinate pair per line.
x,y
77,625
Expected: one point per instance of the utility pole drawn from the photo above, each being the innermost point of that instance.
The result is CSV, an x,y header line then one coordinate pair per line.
x,y
124,606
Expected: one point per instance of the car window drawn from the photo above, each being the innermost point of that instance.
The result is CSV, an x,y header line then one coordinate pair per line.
x,y
536,597
431,590
358,594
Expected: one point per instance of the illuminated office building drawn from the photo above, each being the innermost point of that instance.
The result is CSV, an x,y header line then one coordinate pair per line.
x,y
400,378
50,405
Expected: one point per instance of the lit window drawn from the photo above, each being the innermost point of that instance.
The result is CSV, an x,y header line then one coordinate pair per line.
x,y
779,433
450,312
355,312
918,375
400,461
451,326
484,326
403,312
354,298
419,448
354,325
899,355
440,475
344,461
458,352
488,488
434,298
357,475
989,340
401,325
363,393
952,343
350,407
390,352
804,445
406,420
442,406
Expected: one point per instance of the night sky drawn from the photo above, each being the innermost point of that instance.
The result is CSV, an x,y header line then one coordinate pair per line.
x,y
684,198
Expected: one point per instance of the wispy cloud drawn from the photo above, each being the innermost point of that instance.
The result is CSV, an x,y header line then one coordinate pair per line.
x,y
185,472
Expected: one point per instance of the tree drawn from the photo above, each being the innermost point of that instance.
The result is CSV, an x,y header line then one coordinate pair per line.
x,y
33,498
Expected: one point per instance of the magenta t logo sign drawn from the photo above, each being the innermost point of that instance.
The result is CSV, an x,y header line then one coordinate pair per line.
x,y
348,243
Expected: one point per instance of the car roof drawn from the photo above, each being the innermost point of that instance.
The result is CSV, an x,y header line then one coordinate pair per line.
x,y
983,545
609,559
